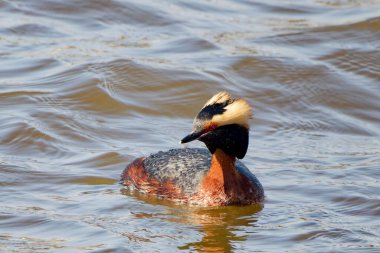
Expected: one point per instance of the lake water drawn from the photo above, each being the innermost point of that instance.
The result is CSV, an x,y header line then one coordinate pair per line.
x,y
88,86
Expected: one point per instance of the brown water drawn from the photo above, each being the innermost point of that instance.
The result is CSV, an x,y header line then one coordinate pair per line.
x,y
87,86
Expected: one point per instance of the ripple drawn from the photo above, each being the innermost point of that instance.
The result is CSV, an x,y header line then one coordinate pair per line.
x,y
331,234
353,61
358,205
132,84
92,181
17,70
99,161
33,30
23,136
186,45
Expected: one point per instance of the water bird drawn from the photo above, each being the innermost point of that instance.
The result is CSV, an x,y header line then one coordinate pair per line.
x,y
197,176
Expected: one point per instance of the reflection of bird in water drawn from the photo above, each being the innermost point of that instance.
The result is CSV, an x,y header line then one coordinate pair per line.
x,y
195,176
220,228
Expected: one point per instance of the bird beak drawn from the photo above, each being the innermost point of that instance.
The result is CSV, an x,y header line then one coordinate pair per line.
x,y
192,136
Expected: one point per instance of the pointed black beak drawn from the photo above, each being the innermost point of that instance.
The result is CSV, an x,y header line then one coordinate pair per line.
x,y
192,136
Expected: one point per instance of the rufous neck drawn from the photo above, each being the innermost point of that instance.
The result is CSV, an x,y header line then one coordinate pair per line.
x,y
222,165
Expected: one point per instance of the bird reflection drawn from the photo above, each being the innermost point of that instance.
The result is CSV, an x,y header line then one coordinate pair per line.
x,y
221,227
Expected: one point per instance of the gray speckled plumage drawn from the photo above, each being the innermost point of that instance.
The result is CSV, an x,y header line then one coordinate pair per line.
x,y
185,167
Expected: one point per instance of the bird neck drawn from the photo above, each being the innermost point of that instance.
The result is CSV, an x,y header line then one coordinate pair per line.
x,y
222,167
223,184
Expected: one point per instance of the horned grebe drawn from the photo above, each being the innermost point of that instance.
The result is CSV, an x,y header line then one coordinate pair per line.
x,y
193,175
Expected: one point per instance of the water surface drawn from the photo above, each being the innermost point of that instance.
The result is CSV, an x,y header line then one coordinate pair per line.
x,y
88,86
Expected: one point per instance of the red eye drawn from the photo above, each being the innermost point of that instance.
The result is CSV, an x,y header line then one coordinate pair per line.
x,y
211,126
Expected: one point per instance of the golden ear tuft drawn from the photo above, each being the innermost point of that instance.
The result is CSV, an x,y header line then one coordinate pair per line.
x,y
220,97
238,112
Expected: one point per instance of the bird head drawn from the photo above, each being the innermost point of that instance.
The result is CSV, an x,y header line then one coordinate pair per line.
x,y
223,123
